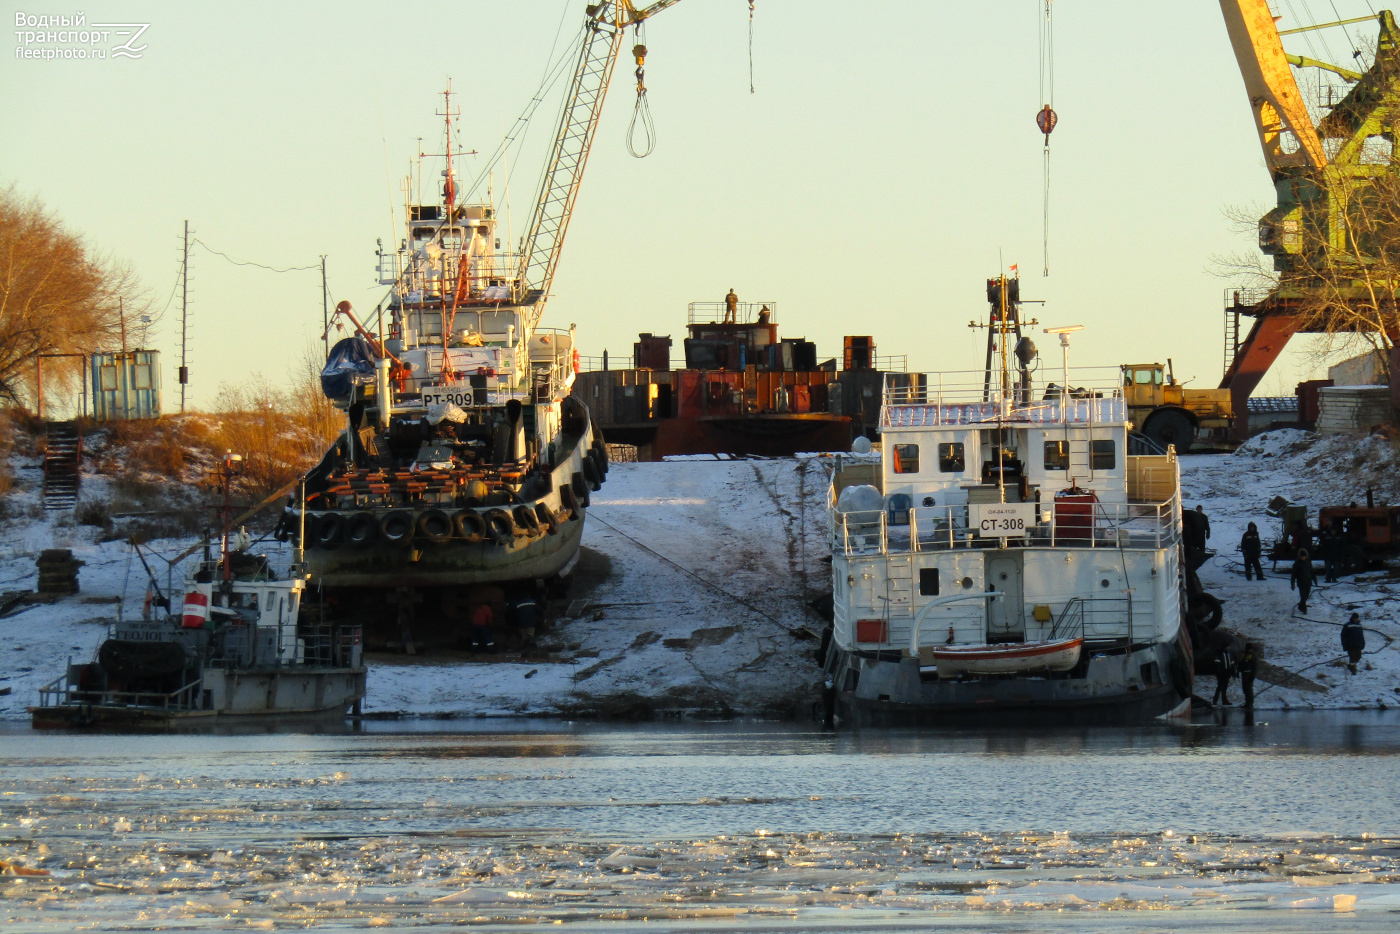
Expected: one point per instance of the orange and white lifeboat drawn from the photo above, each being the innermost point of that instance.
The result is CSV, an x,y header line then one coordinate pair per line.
x,y
1007,658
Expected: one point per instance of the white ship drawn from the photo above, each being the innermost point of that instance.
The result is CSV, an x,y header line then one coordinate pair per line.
x,y
1007,555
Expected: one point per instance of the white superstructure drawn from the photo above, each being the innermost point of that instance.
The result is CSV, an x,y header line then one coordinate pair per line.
x,y
1001,517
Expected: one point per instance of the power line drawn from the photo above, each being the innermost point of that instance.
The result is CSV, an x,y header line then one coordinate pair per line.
x,y
239,262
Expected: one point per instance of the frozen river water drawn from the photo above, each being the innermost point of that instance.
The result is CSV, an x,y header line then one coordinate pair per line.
x,y
1290,823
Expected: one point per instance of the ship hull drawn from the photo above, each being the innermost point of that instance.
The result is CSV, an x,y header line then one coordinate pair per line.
x,y
872,690
225,695
453,564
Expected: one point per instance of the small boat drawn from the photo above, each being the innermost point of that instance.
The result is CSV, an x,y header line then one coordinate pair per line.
x,y
1007,658
239,649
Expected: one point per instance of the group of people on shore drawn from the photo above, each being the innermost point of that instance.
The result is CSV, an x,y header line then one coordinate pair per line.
x,y
1231,661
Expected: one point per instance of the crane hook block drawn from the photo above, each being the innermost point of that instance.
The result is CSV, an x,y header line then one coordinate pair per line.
x,y
639,52
1046,120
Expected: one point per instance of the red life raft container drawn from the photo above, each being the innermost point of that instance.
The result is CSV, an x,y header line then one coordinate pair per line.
x,y
1074,514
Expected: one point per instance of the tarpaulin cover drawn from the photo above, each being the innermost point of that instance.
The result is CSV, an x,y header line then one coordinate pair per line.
x,y
350,364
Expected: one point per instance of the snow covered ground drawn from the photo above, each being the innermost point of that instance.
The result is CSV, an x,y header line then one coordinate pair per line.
x,y
696,574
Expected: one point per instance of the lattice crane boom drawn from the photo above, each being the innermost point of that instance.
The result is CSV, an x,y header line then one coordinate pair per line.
x,y
578,121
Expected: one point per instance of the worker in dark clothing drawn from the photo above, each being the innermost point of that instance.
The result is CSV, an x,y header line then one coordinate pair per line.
x,y
1302,578
1248,666
731,307
1251,547
1224,668
524,614
1193,534
1329,546
1353,641
1205,521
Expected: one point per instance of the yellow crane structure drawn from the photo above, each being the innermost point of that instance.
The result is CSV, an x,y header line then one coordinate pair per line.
x,y
1323,174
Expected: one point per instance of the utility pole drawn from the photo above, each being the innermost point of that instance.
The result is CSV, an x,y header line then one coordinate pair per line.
x,y
184,316
325,312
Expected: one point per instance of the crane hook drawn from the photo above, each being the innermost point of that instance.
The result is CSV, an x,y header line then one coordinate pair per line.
x,y
1046,120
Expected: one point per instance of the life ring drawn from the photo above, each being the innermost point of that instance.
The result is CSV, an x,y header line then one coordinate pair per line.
x,y
330,531
396,527
362,530
526,522
568,500
590,472
436,526
499,524
468,524
548,520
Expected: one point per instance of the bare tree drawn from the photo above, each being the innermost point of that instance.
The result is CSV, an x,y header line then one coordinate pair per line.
x,y
55,297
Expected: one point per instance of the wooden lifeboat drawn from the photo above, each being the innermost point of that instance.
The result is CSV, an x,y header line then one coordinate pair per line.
x,y
1007,658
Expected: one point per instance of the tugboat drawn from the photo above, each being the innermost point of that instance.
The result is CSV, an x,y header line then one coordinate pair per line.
x,y
464,462
1005,557
242,648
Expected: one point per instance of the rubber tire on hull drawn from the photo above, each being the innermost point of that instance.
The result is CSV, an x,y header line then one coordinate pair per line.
x,y
573,417
580,484
569,500
1206,608
362,530
526,522
548,520
330,531
396,527
1171,426
500,525
590,472
469,525
436,526
600,451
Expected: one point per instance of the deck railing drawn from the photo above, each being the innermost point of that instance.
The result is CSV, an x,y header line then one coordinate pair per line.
x,y
942,528
919,400
61,692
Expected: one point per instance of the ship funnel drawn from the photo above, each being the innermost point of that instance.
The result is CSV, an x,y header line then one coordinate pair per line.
x,y
515,431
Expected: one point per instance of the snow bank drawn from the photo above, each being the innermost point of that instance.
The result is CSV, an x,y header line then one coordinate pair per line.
x,y
695,573
1314,471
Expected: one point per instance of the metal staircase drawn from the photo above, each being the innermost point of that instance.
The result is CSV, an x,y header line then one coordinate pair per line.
x,y
63,454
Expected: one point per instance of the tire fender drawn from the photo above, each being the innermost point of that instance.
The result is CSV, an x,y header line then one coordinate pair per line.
x,y
330,531
499,524
436,526
396,527
469,525
362,530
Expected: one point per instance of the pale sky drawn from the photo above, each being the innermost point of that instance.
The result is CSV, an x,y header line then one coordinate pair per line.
x,y
887,164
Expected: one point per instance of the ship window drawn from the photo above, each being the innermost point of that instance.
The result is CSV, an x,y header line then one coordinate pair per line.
x,y
108,375
1103,455
423,233
1143,377
950,458
1057,455
429,324
928,582
906,458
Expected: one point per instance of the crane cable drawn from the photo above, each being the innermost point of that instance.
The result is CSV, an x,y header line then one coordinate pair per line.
x,y
1046,119
641,111
751,2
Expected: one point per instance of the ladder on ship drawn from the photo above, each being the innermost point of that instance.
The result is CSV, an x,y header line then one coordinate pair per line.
x,y
63,454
